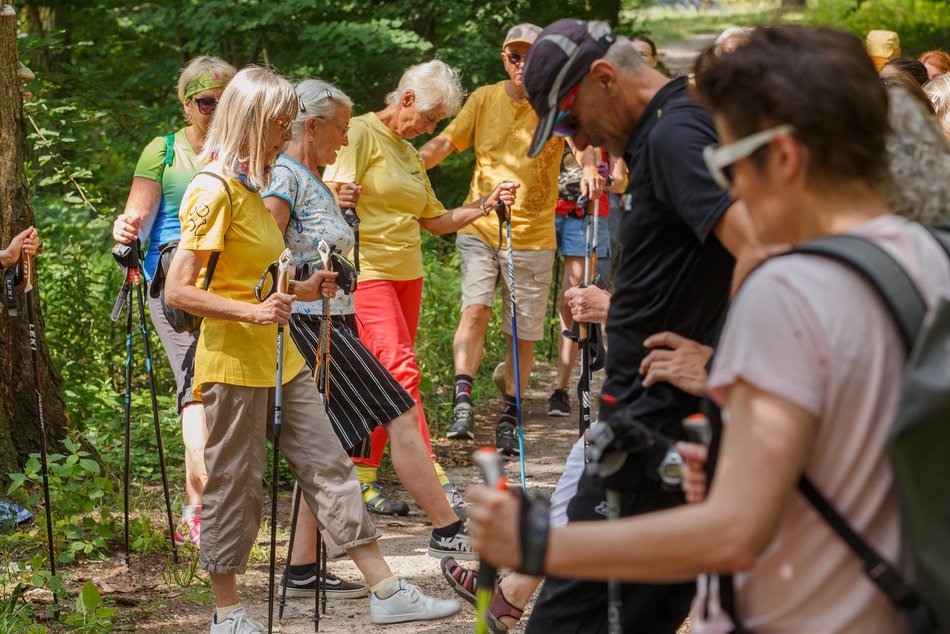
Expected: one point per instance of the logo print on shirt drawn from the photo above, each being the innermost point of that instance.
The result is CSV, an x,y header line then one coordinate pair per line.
x,y
198,220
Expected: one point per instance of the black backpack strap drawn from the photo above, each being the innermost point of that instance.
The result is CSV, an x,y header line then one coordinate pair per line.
x,y
213,262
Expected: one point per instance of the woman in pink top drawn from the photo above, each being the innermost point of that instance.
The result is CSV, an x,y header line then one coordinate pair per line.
x,y
806,371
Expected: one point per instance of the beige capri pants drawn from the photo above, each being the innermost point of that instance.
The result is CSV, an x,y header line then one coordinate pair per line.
x,y
239,419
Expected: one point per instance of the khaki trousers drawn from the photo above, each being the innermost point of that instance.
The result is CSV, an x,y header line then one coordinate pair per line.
x,y
239,419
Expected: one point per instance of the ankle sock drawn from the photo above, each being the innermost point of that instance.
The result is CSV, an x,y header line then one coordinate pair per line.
x,y
190,511
448,531
220,614
365,473
510,413
302,570
386,588
439,471
463,389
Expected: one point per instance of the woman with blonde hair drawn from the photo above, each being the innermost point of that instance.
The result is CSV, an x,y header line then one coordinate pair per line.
x,y
223,212
165,168
938,89
397,201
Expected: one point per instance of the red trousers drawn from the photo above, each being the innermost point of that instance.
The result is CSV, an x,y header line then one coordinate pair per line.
x,y
388,318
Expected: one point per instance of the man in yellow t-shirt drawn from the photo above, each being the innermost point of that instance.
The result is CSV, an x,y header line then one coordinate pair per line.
x,y
498,122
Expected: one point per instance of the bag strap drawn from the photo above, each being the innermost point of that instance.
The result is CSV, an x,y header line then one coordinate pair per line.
x,y
213,262
169,149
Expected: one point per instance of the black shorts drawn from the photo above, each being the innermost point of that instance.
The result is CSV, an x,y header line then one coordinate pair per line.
x,y
569,606
363,394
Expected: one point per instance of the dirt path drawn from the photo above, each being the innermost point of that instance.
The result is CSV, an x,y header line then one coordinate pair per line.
x,y
154,603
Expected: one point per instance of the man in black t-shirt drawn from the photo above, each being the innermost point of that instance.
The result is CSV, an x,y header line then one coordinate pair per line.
x,y
679,235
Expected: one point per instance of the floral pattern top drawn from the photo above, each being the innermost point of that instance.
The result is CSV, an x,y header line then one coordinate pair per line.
x,y
314,216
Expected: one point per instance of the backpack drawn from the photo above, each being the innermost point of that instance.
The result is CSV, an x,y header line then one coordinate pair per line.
x,y
178,319
919,443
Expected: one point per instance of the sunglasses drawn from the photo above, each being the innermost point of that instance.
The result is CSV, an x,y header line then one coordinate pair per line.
x,y
206,105
720,158
515,59
566,123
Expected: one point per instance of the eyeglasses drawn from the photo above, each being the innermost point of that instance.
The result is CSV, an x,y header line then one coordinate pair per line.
x,y
284,123
720,158
515,59
566,123
206,105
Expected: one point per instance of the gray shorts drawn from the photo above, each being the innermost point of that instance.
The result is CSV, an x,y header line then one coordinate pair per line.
x,y
180,349
483,266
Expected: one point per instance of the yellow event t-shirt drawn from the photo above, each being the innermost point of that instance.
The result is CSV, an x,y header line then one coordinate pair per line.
x,y
501,131
396,193
245,233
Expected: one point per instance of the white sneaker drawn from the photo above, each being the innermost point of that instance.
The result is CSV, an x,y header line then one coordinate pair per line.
x,y
409,604
238,622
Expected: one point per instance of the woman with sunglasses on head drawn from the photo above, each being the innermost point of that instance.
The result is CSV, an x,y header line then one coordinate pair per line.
x,y
165,168
396,201
807,370
222,212
363,395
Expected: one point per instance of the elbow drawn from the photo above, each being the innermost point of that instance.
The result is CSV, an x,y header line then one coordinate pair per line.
x,y
743,543
173,295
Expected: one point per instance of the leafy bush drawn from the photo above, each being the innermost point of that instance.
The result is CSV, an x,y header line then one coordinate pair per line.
x,y
921,24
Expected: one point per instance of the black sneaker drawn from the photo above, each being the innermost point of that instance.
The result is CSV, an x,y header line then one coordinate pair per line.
x,y
506,440
378,501
558,403
462,419
458,545
337,588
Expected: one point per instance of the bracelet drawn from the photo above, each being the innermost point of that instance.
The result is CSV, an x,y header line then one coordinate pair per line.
x,y
534,526
482,208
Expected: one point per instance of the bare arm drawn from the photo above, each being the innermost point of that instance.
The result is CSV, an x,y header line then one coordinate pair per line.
x,y
457,218
764,449
436,150
144,200
27,241
592,182
181,292
618,176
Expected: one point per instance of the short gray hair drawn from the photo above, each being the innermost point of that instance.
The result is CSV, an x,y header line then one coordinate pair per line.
x,y
435,85
624,56
318,98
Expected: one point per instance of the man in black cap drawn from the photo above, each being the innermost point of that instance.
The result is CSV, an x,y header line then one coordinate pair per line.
x,y
679,233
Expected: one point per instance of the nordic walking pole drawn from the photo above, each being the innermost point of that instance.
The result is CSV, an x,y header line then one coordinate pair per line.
x,y
583,339
28,277
493,470
504,215
280,286
128,419
290,548
136,274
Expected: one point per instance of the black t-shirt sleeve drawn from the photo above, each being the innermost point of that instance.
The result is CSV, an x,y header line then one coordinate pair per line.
x,y
681,180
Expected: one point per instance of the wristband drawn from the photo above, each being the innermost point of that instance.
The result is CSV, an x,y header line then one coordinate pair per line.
x,y
534,526
482,208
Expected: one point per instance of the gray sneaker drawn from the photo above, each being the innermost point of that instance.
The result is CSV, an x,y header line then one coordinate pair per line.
x,y
409,604
462,421
238,622
458,545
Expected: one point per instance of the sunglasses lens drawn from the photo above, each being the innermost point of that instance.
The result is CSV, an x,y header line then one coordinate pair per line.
x,y
207,105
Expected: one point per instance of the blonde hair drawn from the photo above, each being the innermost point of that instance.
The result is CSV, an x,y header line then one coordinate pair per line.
x,y
435,84
319,99
203,65
238,133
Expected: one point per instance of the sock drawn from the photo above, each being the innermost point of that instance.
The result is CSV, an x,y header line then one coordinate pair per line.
x,y
448,531
463,389
222,613
365,473
189,511
386,588
439,471
510,414
302,570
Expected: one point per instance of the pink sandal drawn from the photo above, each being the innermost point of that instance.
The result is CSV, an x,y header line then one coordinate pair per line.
x,y
465,584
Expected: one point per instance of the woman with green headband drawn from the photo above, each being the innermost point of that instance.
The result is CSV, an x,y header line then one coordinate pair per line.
x,y
165,168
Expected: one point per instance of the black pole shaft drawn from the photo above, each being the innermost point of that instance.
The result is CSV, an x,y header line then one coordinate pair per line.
x,y
42,437
128,426
278,405
158,428
290,549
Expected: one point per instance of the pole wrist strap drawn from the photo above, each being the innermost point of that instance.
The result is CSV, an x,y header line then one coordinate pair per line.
x,y
534,528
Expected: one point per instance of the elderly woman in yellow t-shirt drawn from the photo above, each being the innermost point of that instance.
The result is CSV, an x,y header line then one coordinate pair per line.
x,y
222,211
396,201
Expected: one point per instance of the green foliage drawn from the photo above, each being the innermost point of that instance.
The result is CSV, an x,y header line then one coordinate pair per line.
x,y
16,615
921,24
90,616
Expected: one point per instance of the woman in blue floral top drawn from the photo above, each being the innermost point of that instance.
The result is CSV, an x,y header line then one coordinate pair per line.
x,y
362,393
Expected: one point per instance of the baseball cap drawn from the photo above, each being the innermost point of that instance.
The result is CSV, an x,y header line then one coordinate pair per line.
x,y
525,32
560,58
882,46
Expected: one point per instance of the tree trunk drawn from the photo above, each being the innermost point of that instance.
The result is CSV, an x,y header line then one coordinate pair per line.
x,y
18,414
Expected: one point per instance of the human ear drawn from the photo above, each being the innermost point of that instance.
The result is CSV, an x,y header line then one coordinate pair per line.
x,y
408,98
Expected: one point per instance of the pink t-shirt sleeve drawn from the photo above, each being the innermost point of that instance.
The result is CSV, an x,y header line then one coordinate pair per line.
x,y
774,341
